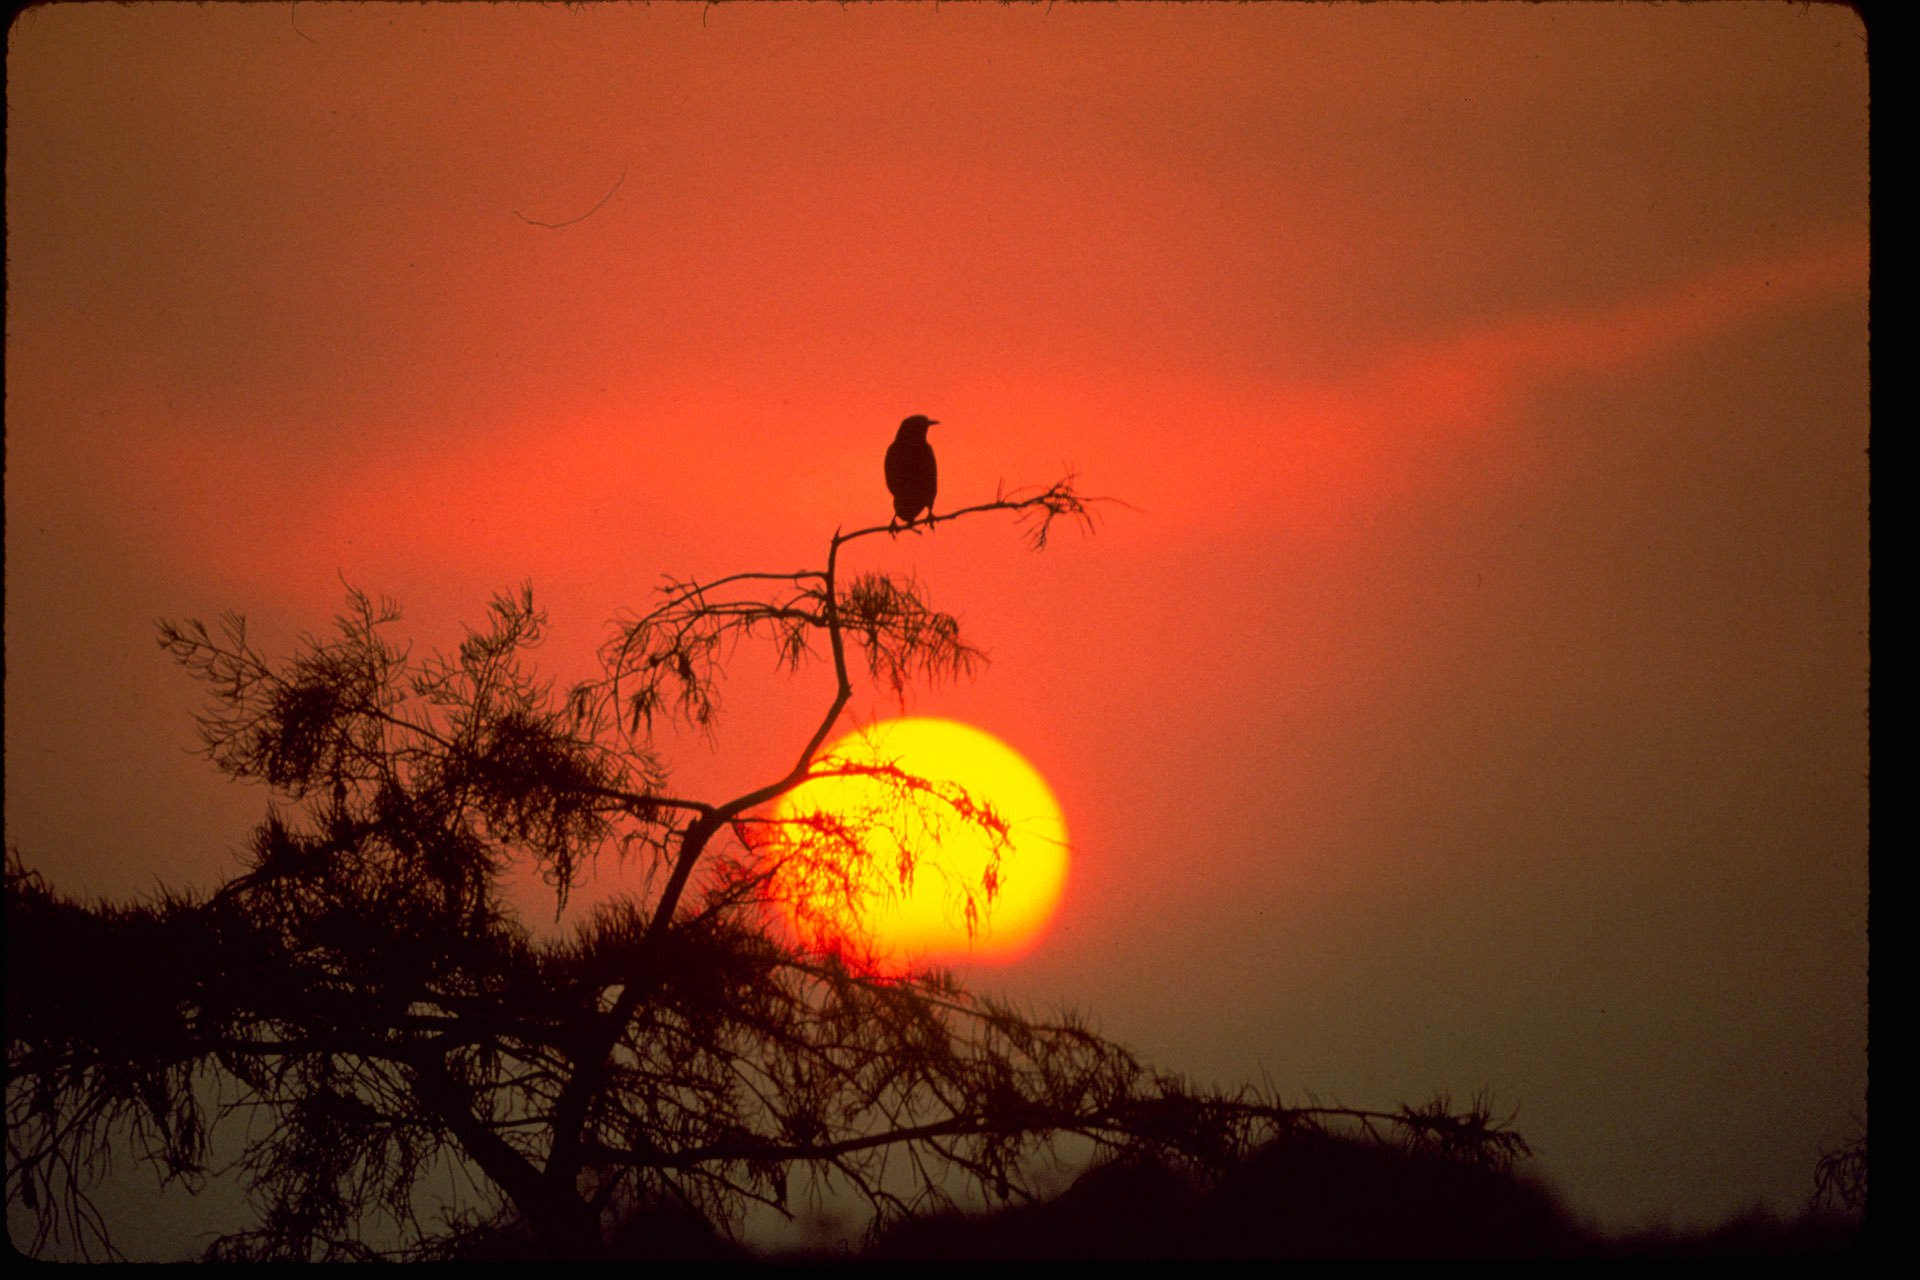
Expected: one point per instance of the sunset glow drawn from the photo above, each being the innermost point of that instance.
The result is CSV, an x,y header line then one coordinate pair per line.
x,y
962,850
1466,688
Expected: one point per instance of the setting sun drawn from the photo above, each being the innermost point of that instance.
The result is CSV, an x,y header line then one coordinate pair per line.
x,y
924,840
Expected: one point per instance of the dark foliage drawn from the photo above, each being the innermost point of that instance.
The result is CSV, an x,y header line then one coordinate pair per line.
x,y
1318,1195
364,1008
1310,1195
1840,1178
1757,1234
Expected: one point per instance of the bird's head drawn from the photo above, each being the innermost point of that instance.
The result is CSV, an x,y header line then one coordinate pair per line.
x,y
919,422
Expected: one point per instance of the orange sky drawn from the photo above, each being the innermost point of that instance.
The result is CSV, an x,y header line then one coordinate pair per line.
x,y
1476,697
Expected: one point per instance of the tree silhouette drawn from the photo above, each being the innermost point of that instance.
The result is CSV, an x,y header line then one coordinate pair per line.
x,y
364,1007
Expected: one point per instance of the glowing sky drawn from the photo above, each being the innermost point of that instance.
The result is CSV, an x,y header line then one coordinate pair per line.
x,y
1475,696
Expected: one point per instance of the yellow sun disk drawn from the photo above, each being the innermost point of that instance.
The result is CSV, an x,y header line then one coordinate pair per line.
x,y
922,858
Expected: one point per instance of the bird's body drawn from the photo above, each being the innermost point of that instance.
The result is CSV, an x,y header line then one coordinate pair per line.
x,y
912,475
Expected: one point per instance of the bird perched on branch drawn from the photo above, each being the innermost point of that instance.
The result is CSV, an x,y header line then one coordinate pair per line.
x,y
912,475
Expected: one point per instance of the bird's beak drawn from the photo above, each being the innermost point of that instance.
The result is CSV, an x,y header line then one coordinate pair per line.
x,y
933,422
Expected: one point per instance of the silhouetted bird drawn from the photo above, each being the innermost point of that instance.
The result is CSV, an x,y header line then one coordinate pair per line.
x,y
912,475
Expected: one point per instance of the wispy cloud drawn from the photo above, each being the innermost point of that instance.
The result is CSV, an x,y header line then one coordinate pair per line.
x,y
1346,447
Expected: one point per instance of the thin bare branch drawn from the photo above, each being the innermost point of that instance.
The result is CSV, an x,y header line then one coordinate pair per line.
x,y
598,205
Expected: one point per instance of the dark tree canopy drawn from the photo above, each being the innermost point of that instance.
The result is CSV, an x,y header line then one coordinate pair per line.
x,y
362,1004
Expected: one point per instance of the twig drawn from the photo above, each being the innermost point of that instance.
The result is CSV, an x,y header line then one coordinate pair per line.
x,y
555,226
295,24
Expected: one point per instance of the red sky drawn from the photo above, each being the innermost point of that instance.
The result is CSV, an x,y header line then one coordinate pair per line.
x,y
1473,695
